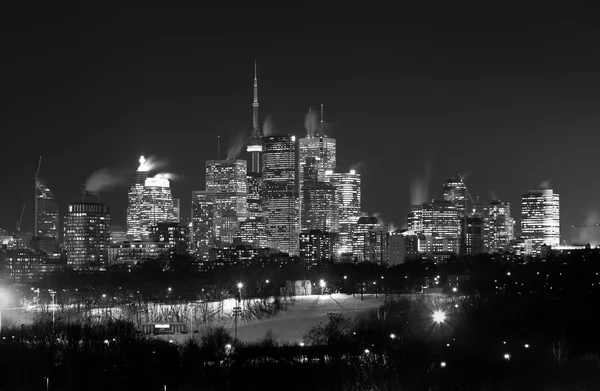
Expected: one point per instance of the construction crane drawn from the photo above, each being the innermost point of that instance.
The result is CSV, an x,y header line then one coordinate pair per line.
x,y
469,194
20,221
35,203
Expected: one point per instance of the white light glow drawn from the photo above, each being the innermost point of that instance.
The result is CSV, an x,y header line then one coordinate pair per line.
x,y
443,364
254,148
439,316
352,172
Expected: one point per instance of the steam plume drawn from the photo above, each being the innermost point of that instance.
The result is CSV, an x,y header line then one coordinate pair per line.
x,y
106,179
419,187
268,127
311,123
493,196
168,175
545,184
153,163
236,147
589,232
465,175
357,166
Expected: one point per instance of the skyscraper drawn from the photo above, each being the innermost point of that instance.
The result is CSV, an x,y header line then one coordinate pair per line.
x,y
361,237
415,219
280,192
455,191
540,218
441,226
134,207
47,212
348,201
87,235
157,204
203,238
227,181
317,200
498,226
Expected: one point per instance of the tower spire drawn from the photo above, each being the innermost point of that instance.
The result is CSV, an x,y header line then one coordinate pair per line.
x,y
322,124
255,130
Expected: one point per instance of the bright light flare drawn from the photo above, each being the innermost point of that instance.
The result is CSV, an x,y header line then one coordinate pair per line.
x,y
443,364
506,356
322,283
392,336
454,289
240,285
439,316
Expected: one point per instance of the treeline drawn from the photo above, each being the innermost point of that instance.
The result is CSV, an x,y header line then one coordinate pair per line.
x,y
506,341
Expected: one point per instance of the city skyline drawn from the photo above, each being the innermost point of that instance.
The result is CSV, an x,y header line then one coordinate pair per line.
x,y
378,112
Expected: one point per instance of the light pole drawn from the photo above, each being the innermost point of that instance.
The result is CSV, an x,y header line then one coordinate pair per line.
x,y
237,309
53,294
322,284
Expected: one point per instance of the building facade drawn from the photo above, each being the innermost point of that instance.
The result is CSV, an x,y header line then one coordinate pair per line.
x,y
540,219
315,246
441,227
348,205
135,199
498,226
87,235
157,204
227,181
47,212
203,237
280,192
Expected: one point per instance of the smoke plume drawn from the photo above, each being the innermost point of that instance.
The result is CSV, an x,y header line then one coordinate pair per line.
x,y
236,147
152,163
357,166
545,184
168,175
311,123
268,126
106,179
419,187
589,232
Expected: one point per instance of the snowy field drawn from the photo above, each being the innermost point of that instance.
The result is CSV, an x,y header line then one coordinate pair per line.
x,y
289,325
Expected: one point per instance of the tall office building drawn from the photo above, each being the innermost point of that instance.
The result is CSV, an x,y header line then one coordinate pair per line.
x,y
177,209
87,235
415,219
348,201
280,192
455,191
227,181
203,238
46,212
498,226
157,204
135,198
540,218
317,200
441,226
361,237
474,235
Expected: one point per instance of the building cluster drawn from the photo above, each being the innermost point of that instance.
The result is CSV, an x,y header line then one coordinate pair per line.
x,y
288,201
458,224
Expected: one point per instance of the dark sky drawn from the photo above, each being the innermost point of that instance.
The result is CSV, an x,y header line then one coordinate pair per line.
x,y
507,96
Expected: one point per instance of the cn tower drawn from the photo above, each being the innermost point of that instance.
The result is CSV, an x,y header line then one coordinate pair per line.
x,y
255,143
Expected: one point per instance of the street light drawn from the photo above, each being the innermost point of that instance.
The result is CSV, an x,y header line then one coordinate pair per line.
x,y
454,289
443,364
439,316
322,284
237,309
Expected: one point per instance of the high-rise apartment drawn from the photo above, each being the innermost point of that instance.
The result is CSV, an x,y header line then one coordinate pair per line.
x,y
280,192
540,218
441,227
157,204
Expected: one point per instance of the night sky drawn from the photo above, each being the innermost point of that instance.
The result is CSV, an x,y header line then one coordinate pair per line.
x,y
508,97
